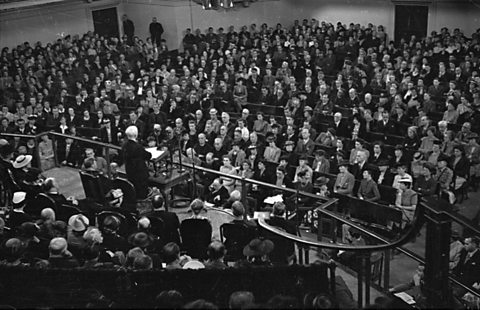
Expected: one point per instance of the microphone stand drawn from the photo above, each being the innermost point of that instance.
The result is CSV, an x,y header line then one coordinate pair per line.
x,y
193,177
180,156
297,212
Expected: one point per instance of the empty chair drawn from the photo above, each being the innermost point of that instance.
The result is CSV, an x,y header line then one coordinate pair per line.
x,y
157,226
92,187
196,236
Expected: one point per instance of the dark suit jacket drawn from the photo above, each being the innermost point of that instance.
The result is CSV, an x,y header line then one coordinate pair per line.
x,y
18,218
171,226
113,135
373,160
342,129
469,271
358,172
462,168
388,128
303,148
222,194
74,156
135,166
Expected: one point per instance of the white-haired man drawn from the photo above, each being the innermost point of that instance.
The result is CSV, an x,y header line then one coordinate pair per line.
x,y
135,166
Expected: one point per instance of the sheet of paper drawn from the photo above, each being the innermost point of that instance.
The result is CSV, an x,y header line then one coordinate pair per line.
x,y
273,199
155,153
405,297
208,204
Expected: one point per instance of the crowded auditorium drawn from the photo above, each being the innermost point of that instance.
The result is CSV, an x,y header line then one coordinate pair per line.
x,y
240,154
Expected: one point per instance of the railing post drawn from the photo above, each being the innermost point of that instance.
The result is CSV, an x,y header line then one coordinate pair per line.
x,y
107,158
54,145
386,272
244,198
368,271
37,151
437,286
360,274
331,267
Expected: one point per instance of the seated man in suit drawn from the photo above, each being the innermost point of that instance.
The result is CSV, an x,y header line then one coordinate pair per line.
x,y
277,219
468,268
217,193
171,224
51,189
377,154
100,162
385,177
305,145
360,164
69,153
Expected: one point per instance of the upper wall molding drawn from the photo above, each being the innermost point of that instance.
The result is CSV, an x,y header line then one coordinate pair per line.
x,y
174,3
427,2
64,6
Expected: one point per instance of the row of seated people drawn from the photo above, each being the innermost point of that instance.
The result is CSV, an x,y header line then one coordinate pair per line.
x,y
45,194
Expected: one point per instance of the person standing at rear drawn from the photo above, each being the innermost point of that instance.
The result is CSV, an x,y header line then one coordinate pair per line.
x,y
135,166
128,28
156,31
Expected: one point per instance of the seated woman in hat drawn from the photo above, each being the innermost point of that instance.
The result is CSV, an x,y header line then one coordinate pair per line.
x,y
28,178
425,184
257,253
406,200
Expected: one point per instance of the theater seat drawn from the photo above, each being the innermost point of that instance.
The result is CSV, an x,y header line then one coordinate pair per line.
x,y
196,236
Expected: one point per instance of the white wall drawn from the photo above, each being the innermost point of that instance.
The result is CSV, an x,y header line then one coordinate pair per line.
x,y
454,14
47,23
178,15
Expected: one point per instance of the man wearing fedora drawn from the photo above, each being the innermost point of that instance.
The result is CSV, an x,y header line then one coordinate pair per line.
x,y
257,253
77,225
